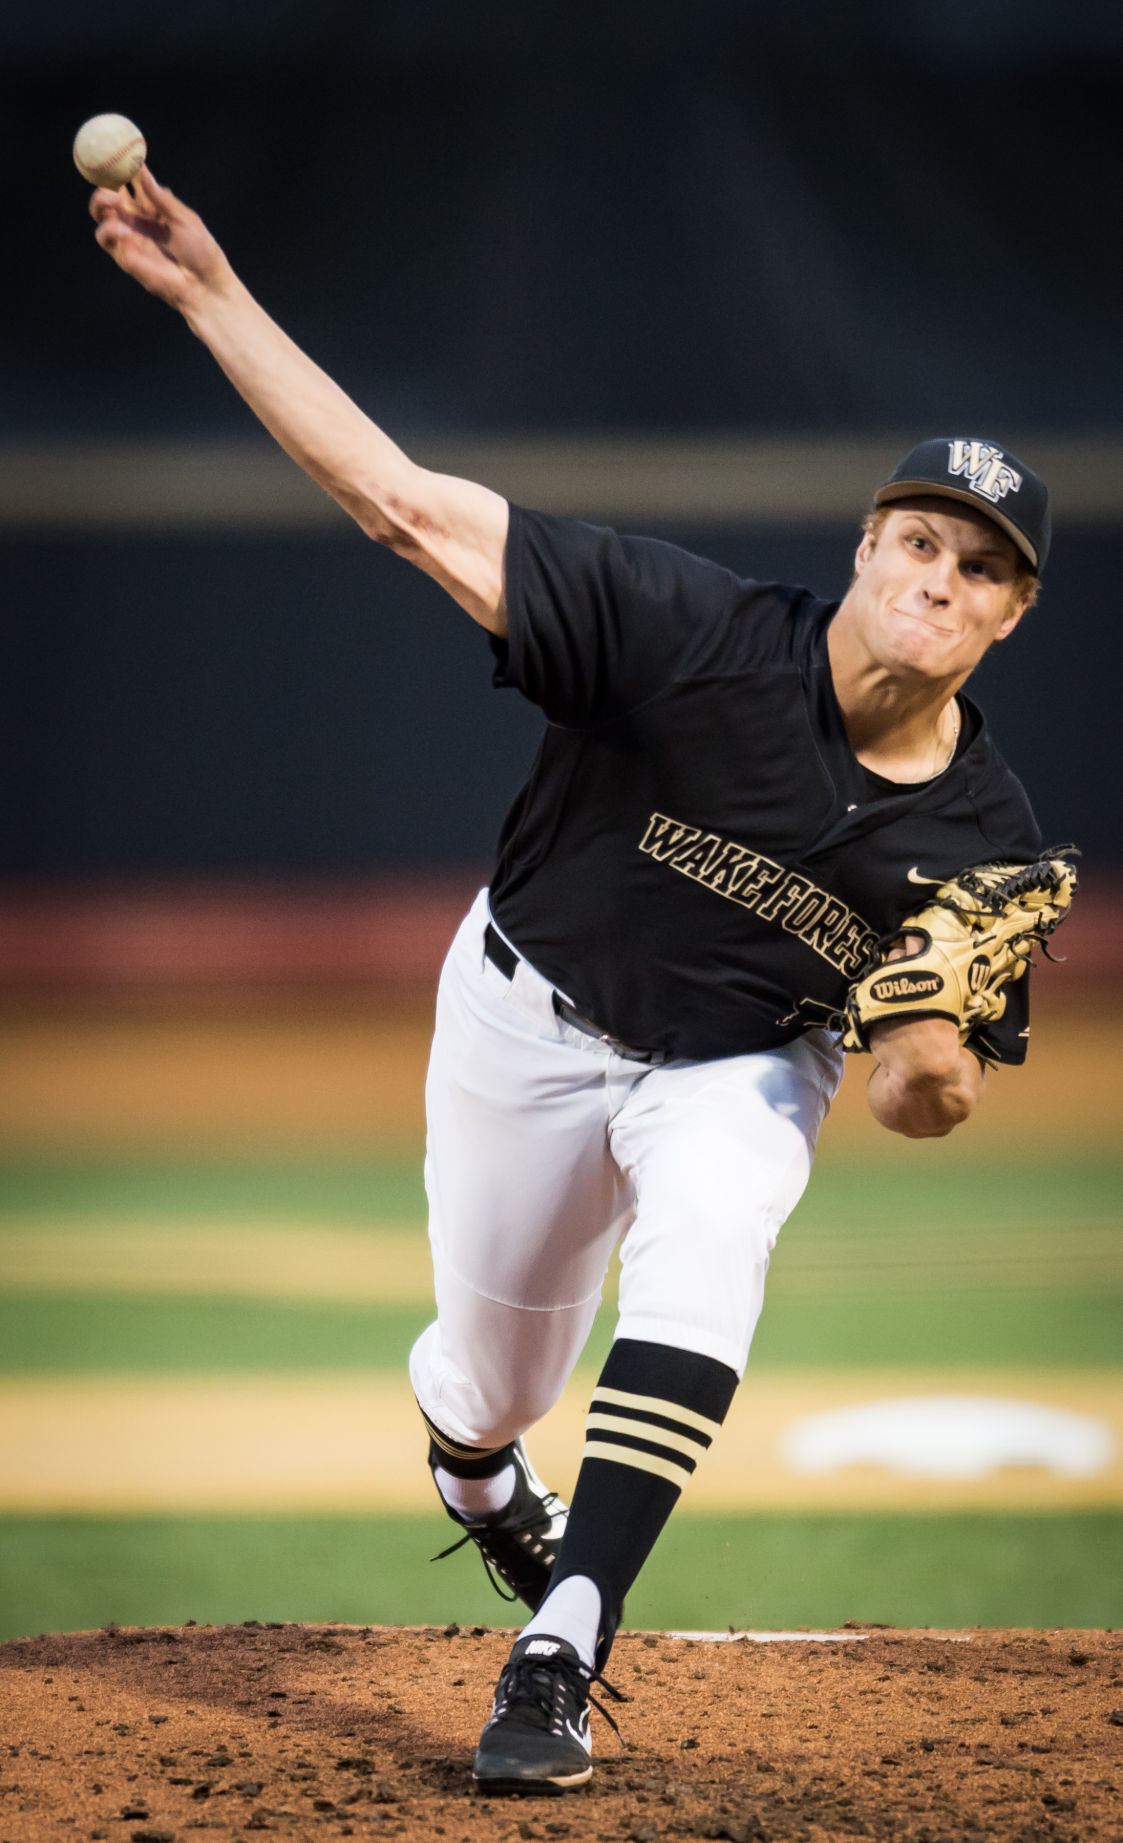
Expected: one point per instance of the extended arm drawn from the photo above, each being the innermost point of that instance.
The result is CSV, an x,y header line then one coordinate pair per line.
x,y
455,530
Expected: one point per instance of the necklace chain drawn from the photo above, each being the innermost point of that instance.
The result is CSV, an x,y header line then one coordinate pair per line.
x,y
949,757
946,763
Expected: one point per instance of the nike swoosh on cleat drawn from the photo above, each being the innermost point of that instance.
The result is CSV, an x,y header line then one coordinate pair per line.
x,y
914,876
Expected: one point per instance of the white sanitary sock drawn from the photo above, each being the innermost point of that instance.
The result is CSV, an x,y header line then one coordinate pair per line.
x,y
571,1610
476,1497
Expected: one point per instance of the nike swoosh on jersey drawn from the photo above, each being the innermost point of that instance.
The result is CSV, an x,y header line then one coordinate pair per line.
x,y
914,876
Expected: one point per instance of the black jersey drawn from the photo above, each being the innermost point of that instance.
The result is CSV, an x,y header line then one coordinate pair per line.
x,y
698,859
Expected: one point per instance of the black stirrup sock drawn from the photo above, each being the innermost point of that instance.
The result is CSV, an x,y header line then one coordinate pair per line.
x,y
654,1413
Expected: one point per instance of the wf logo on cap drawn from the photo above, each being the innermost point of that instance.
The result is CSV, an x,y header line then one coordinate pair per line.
x,y
983,475
985,468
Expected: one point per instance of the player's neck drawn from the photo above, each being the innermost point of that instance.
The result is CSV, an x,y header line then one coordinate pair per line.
x,y
905,728
901,755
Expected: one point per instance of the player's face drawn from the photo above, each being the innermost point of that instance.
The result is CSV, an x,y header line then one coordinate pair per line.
x,y
935,589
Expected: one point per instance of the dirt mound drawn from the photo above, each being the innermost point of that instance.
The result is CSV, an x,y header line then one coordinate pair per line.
x,y
151,1735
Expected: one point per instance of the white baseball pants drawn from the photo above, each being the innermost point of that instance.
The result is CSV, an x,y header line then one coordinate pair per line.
x,y
546,1147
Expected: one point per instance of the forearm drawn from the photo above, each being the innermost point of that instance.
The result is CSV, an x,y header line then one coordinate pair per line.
x,y
925,1082
304,410
453,529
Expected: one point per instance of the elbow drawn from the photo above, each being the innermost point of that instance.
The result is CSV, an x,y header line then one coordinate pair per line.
x,y
392,511
959,1105
925,1106
377,520
395,533
404,524
945,1102
926,1083
928,1120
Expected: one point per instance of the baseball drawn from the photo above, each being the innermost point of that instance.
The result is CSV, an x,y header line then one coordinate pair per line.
x,y
109,150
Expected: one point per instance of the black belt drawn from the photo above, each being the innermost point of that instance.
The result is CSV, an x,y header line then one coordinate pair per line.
x,y
505,960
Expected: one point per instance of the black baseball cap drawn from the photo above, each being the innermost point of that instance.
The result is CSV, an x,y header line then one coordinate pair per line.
x,y
982,475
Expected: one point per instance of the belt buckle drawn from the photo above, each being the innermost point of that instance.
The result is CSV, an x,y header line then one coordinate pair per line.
x,y
570,1015
629,1054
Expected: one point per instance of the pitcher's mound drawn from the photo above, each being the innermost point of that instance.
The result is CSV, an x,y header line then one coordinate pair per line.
x,y
156,1734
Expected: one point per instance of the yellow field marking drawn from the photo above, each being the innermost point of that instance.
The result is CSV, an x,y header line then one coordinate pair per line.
x,y
390,1264
330,1443
290,1262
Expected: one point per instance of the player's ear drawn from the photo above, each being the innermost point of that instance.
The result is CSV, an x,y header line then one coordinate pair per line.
x,y
864,551
1012,619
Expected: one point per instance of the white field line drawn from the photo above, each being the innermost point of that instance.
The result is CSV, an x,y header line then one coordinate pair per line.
x,y
711,1638
771,1638
803,1638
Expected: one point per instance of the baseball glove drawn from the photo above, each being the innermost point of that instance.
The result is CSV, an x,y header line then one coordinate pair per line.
x,y
977,934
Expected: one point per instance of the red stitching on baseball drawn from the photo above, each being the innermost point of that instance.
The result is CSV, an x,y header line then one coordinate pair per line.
x,y
99,165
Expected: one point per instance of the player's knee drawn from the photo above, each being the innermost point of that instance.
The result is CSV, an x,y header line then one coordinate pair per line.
x,y
474,1420
488,1408
497,1414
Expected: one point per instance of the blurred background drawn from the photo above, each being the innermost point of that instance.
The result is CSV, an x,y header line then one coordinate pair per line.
x,y
704,272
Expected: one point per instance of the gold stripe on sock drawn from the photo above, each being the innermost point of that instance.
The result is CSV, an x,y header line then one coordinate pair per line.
x,y
685,1416
643,1462
459,1452
643,1430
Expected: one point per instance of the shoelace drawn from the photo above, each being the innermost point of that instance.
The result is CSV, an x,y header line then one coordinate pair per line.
x,y
538,1507
531,1681
617,1695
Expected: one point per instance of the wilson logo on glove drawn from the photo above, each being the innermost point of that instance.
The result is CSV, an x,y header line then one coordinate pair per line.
x,y
907,985
1007,908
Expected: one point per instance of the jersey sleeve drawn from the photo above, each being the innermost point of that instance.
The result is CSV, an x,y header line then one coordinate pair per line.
x,y
599,623
1010,833
1007,1038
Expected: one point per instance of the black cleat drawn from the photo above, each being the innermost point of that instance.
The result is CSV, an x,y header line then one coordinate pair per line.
x,y
519,1544
537,1739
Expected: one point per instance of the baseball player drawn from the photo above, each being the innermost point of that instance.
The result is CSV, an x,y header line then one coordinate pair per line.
x,y
738,846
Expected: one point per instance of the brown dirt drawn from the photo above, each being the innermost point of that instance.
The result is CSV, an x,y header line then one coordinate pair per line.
x,y
150,1735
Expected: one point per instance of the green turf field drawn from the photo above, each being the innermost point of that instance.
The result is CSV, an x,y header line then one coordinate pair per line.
x,y
764,1573
921,1261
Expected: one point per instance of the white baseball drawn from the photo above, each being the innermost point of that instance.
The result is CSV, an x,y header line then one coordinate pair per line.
x,y
109,150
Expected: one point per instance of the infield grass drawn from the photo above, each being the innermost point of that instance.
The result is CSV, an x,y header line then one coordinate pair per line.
x,y
766,1572
934,1190
67,1333
991,1265
924,1260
